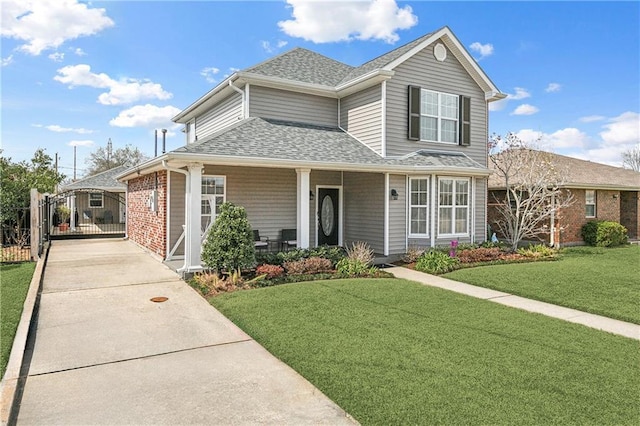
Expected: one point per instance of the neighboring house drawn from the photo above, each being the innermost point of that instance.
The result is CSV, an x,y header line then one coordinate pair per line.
x,y
393,153
97,199
600,192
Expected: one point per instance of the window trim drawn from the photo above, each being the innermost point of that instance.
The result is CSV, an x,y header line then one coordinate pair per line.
x,y
594,204
203,196
101,206
428,206
453,207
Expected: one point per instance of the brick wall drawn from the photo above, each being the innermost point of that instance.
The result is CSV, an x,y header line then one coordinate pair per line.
x,y
573,217
144,226
630,213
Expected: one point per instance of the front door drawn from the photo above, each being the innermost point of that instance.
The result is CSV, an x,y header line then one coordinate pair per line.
x,y
328,223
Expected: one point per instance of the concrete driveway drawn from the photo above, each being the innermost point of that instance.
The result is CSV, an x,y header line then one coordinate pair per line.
x,y
104,353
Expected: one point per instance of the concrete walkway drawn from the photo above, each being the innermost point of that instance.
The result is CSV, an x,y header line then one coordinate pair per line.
x,y
590,320
104,353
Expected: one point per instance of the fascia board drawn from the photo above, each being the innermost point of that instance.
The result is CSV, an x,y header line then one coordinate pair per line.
x,y
211,97
367,80
284,84
182,159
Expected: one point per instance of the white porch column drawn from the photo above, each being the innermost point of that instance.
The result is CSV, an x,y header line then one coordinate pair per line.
x,y
192,232
72,207
302,218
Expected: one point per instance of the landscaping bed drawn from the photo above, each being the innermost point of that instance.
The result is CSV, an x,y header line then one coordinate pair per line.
x,y
391,351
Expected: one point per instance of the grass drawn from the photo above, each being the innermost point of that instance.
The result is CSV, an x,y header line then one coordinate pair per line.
x,y
14,284
391,351
603,281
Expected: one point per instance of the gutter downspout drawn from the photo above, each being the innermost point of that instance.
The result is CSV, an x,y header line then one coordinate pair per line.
x,y
242,93
186,182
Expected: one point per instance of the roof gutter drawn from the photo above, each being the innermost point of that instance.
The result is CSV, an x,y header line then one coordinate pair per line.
x,y
244,97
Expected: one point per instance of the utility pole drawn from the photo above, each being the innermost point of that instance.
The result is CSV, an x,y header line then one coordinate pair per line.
x,y
74,161
56,171
109,148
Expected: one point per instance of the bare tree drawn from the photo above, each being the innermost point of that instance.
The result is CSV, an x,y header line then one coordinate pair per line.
x,y
631,158
533,187
103,159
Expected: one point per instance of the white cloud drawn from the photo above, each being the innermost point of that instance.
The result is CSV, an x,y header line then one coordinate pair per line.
x,y
146,116
592,118
569,137
483,49
123,91
210,73
47,24
269,48
7,61
59,129
56,57
553,87
623,129
525,109
520,93
79,52
320,22
81,143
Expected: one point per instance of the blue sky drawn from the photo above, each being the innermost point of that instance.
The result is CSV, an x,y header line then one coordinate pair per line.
x,y
81,73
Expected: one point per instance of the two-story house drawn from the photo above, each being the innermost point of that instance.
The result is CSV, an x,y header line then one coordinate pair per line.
x,y
393,153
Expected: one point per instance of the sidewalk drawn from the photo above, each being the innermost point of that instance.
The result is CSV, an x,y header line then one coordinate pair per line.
x,y
104,353
590,320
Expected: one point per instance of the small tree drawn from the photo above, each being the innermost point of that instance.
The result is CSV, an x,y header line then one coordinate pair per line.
x,y
631,158
229,245
533,186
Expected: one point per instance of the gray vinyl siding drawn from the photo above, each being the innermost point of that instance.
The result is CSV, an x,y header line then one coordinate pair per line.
x,y
268,195
292,106
361,116
364,198
176,213
225,113
481,203
86,214
398,215
448,77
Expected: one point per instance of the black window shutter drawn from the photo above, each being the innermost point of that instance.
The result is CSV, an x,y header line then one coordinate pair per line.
x,y
414,113
464,122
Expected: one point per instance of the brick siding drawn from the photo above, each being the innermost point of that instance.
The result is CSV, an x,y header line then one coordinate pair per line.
x,y
616,206
144,226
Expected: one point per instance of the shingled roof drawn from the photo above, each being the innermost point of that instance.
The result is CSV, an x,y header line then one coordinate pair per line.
x,y
277,140
105,181
586,174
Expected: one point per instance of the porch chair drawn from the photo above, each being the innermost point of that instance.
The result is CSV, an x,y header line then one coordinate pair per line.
x,y
261,243
289,238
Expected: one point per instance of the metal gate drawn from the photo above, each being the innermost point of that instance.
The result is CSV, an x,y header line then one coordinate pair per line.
x,y
86,213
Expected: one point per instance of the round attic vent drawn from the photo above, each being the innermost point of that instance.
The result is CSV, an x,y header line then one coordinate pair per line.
x,y
440,52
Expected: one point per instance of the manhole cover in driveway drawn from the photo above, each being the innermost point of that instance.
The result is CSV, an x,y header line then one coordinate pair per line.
x,y
159,299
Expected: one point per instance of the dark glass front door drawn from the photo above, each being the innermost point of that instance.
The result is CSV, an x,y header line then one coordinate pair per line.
x,y
328,216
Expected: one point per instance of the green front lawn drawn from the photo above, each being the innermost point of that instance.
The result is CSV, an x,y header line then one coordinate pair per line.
x,y
391,351
603,281
14,284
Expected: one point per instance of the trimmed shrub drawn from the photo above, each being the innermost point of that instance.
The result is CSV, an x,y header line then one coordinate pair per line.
x,y
271,271
604,233
538,250
436,262
229,245
480,254
313,265
334,254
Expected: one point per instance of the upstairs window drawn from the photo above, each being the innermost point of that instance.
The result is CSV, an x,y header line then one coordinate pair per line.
x,y
439,117
590,203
